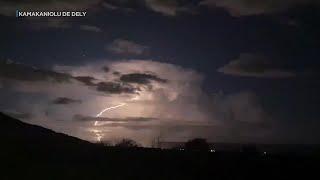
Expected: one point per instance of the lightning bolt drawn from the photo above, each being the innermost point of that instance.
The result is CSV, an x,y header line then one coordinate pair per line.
x,y
109,108
114,107
96,123
98,134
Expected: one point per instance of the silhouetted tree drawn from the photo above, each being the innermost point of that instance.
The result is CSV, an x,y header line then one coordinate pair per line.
x,y
106,143
127,143
197,144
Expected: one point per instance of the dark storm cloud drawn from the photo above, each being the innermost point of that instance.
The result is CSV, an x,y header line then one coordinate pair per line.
x,y
50,23
254,7
165,7
244,107
106,69
90,28
126,47
245,117
79,117
114,88
65,101
141,78
106,87
234,7
21,72
124,4
171,8
254,65
87,80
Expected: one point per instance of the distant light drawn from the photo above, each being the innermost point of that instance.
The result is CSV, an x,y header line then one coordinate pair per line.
x,y
265,153
181,149
212,150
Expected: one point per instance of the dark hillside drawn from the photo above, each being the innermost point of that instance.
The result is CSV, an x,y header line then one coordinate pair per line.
x,y
33,152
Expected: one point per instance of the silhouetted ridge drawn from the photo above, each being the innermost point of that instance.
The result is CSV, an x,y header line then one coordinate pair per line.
x,y
32,152
18,133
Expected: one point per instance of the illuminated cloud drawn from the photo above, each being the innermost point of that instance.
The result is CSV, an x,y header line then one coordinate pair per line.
x,y
165,7
158,98
79,117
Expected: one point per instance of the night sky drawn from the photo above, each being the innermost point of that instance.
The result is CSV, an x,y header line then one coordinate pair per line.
x,y
228,71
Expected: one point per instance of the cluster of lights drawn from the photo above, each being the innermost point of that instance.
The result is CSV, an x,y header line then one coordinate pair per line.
x,y
211,150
